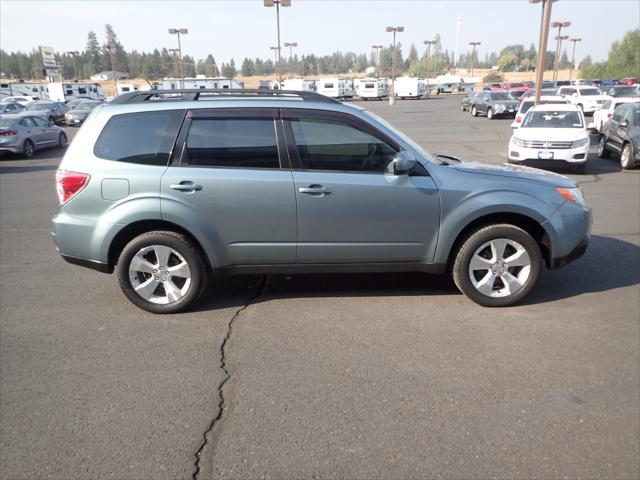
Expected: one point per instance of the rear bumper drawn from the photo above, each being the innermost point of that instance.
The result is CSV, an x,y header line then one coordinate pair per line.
x,y
83,262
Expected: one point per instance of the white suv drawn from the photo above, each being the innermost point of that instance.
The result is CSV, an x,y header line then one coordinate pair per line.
x,y
550,135
589,99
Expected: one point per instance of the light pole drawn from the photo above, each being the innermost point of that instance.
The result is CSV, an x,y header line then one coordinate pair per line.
x,y
559,38
178,32
473,54
428,43
176,53
111,51
542,43
455,55
277,3
392,95
291,45
573,55
377,49
75,54
276,51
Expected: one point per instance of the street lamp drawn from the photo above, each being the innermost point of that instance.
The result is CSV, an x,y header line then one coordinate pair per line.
x,y
542,43
573,55
377,49
75,54
178,32
473,54
559,38
176,53
277,3
111,51
392,96
428,43
291,45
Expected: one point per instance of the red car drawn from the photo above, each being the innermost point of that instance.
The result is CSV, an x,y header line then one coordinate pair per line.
x,y
628,81
515,86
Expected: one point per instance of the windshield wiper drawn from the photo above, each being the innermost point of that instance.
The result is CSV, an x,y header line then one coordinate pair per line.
x,y
444,159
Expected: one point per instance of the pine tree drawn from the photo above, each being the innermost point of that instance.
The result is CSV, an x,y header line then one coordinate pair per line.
x,y
92,55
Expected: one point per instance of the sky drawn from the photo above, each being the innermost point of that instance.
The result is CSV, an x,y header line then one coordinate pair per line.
x,y
245,28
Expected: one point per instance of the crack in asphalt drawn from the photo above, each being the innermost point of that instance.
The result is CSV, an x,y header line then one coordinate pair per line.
x,y
260,288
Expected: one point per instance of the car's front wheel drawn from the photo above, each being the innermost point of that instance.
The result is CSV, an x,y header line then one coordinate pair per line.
x,y
62,140
161,272
474,111
28,149
626,157
498,265
490,114
602,148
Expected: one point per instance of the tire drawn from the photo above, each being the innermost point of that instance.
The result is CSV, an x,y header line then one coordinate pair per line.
x,y
492,289
175,250
51,120
490,114
62,140
627,161
462,107
28,149
602,148
474,111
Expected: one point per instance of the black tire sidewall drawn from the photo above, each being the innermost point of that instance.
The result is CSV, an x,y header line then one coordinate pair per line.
x,y
631,162
183,246
60,137
604,153
24,148
463,257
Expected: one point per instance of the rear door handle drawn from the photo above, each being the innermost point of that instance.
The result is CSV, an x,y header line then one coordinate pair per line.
x,y
315,190
186,186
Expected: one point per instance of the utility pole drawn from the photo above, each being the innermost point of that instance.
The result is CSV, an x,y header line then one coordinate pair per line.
x,y
291,45
573,55
377,48
178,32
428,43
277,3
392,94
559,38
473,54
542,43
455,55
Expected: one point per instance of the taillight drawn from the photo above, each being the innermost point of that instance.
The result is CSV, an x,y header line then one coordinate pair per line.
x,y
518,119
609,115
69,184
5,133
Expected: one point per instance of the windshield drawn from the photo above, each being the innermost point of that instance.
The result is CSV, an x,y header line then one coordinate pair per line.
x,y
517,85
589,91
622,91
500,96
548,91
39,106
86,105
551,119
398,133
5,123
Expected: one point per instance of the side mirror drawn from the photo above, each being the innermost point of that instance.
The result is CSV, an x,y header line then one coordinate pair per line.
x,y
403,163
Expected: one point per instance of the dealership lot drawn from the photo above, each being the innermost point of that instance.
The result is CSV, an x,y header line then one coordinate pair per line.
x,y
393,375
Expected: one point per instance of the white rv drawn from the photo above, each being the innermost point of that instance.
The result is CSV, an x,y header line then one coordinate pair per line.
x,y
62,92
299,84
367,88
200,82
410,87
37,91
335,88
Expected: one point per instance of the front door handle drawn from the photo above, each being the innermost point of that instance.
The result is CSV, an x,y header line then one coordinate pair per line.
x,y
315,190
186,186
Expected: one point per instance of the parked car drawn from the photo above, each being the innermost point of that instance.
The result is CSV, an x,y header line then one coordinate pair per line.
x,y
23,100
562,83
494,104
466,101
300,184
589,99
551,135
610,83
600,117
527,104
629,81
52,111
514,86
621,134
76,100
10,107
624,91
596,83
493,87
517,94
545,92
548,84
24,133
80,113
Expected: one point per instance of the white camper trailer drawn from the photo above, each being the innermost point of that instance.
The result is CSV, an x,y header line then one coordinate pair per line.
x,y
410,87
299,84
37,91
200,82
335,87
367,88
62,92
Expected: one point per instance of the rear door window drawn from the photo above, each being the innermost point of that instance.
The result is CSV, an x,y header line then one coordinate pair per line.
x,y
145,138
233,142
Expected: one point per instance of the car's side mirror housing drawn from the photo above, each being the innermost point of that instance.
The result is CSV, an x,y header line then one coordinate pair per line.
x,y
403,163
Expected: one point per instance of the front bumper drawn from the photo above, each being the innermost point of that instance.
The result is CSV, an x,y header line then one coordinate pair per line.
x,y
574,156
569,230
573,255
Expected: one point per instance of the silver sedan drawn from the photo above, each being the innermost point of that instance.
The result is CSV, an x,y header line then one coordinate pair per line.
x,y
24,133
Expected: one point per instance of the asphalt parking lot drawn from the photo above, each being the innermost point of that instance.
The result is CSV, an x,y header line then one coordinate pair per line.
x,y
323,376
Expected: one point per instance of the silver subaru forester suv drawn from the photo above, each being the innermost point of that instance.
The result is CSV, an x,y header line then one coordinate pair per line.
x,y
169,187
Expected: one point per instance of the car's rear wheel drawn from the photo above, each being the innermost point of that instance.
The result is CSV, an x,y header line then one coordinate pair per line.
x,y
602,148
490,114
474,111
161,272
498,265
626,157
28,149
62,140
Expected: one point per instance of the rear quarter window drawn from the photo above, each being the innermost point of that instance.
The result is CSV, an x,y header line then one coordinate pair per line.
x,y
145,138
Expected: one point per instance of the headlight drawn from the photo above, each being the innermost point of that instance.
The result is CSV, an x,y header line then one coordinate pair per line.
x,y
518,142
580,143
499,107
572,194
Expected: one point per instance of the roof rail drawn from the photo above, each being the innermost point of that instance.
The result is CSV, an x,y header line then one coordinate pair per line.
x,y
194,94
